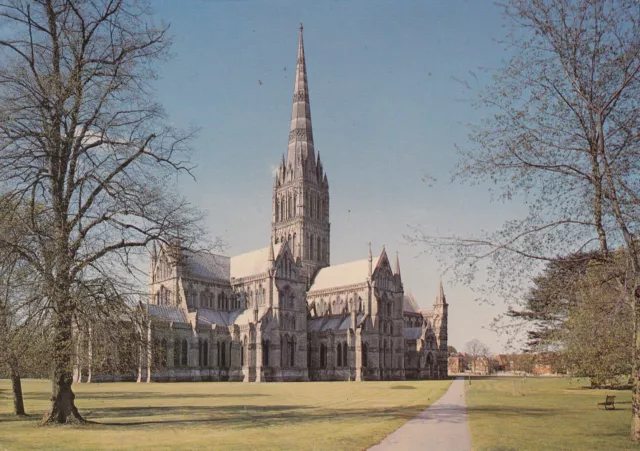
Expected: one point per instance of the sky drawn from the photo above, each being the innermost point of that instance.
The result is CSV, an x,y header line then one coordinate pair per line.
x,y
387,108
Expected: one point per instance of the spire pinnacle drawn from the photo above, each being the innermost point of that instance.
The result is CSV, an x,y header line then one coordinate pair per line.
x,y
397,269
441,297
300,132
271,256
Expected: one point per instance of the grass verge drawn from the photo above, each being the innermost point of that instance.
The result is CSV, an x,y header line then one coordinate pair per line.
x,y
234,416
509,414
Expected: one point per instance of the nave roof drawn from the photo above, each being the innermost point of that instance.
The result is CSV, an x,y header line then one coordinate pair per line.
x,y
345,274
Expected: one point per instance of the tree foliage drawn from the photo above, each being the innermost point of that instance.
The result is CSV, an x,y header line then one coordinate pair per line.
x,y
597,336
545,306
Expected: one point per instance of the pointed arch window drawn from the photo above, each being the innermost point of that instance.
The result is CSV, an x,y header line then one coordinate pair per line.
x,y
184,357
365,355
243,350
265,352
295,204
176,352
339,353
323,355
345,361
164,353
281,209
292,352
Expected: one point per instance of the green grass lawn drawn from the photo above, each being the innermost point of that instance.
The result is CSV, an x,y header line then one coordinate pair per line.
x,y
545,414
159,416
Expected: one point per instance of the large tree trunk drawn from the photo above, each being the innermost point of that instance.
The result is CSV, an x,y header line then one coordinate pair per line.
x,y
16,385
635,375
90,354
63,407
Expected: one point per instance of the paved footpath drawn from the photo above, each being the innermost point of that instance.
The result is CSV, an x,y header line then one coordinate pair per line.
x,y
443,426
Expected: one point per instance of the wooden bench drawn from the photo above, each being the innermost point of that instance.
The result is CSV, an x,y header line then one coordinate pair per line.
x,y
608,403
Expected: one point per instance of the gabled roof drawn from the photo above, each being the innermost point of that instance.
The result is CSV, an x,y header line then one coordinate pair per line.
x,y
342,275
335,323
206,265
253,263
246,316
167,313
221,318
412,333
409,304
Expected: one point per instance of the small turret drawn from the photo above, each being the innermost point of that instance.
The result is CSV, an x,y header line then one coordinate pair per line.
x,y
271,259
396,273
441,299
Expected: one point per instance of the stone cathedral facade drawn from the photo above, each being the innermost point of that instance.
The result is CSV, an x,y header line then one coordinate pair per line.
x,y
283,313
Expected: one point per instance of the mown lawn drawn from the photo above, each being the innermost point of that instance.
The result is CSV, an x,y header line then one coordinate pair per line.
x,y
545,414
235,416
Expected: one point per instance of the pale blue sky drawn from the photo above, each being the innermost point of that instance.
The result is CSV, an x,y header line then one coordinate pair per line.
x,y
385,109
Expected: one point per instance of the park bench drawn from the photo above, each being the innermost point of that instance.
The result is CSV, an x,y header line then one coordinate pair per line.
x,y
609,402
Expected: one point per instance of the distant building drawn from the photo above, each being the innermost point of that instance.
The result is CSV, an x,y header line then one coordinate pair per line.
x,y
457,364
482,365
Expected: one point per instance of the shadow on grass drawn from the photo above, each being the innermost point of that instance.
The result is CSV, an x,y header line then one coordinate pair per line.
x,y
145,395
9,417
402,387
249,416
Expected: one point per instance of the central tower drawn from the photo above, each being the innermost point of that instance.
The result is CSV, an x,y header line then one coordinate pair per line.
x,y
301,188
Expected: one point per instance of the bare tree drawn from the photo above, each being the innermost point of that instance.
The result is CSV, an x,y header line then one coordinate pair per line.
x,y
479,352
561,135
23,315
83,143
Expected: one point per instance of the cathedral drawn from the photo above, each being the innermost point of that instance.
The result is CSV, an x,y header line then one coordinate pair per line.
x,y
283,313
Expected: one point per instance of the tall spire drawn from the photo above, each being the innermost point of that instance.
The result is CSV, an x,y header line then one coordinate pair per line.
x,y
300,134
397,269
